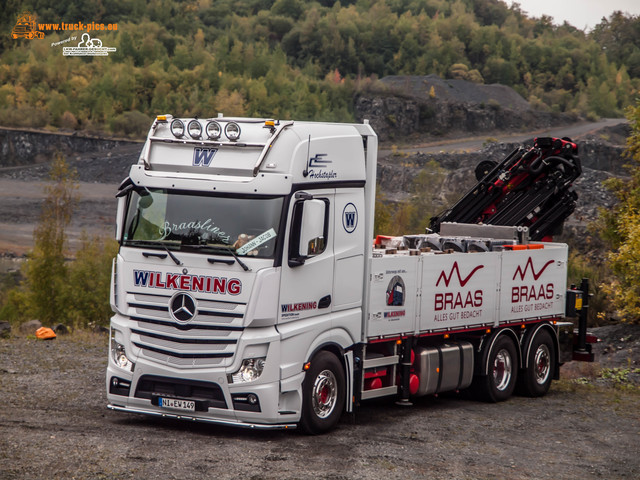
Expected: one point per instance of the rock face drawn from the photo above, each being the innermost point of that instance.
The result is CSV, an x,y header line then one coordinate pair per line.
x,y
24,147
412,104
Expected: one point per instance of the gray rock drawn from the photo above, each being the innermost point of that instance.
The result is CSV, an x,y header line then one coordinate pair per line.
x,y
61,329
30,327
5,329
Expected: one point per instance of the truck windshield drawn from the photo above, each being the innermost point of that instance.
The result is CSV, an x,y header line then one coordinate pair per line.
x,y
223,225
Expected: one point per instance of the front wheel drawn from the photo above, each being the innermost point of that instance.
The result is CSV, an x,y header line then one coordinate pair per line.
x,y
323,391
499,383
535,380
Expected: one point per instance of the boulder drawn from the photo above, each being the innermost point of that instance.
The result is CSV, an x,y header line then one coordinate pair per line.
x,y
5,329
30,327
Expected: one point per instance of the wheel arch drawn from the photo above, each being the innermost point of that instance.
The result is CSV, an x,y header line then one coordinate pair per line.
x,y
487,345
528,340
335,341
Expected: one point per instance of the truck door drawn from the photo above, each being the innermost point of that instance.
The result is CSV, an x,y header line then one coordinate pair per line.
x,y
306,288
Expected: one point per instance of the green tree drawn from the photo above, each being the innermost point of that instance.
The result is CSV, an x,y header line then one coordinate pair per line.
x,y
45,270
622,230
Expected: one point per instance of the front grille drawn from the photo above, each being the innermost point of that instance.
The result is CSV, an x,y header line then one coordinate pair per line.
x,y
207,340
205,394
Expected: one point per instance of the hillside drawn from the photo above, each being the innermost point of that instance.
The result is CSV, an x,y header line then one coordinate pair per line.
x,y
296,59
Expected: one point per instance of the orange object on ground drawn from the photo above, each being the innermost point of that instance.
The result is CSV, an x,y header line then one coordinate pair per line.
x,y
45,333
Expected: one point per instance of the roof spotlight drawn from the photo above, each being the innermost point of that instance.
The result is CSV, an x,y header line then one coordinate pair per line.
x,y
194,128
232,131
214,130
177,128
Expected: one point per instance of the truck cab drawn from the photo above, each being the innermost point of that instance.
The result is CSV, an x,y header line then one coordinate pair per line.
x,y
242,255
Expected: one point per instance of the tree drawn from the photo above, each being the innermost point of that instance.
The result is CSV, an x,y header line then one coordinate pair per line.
x,y
622,230
45,270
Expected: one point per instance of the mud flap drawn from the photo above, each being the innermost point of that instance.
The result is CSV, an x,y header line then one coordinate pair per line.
x,y
349,377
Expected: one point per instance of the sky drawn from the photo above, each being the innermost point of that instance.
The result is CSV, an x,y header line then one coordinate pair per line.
x,y
582,14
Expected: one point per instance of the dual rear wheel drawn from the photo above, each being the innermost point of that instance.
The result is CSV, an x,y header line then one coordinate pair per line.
x,y
504,376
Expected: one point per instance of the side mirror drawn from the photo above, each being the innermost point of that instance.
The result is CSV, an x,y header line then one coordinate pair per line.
x,y
309,228
312,241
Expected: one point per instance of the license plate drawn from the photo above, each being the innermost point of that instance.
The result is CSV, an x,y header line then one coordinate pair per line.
x,y
176,403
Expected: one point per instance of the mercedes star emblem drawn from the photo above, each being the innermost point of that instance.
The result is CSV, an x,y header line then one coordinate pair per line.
x,y
182,307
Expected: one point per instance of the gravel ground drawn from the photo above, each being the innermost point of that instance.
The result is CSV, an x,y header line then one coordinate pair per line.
x,y
54,424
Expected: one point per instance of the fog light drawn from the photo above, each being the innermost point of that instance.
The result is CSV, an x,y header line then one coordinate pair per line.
x,y
232,131
252,399
214,130
177,128
194,128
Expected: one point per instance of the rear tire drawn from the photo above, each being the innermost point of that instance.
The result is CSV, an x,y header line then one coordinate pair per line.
x,y
535,380
500,381
323,391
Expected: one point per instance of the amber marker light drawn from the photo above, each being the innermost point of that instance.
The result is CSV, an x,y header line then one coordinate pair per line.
x,y
307,366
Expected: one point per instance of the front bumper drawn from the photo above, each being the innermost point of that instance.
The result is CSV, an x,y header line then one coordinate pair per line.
x,y
216,421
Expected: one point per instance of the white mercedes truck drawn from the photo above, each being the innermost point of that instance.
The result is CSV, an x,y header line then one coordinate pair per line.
x,y
248,290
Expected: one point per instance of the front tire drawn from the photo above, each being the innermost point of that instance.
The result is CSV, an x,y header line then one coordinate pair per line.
x,y
498,385
323,391
535,380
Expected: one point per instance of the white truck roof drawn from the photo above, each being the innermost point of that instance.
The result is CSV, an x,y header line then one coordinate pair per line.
x,y
267,156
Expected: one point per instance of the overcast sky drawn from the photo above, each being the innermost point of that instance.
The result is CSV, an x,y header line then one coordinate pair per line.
x,y
582,14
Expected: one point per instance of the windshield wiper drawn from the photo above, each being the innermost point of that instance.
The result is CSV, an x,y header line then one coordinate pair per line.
x,y
173,257
220,246
152,243
240,262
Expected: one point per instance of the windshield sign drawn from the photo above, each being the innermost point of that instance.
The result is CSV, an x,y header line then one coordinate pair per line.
x,y
212,224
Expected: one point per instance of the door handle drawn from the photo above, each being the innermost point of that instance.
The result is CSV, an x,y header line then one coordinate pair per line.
x,y
324,302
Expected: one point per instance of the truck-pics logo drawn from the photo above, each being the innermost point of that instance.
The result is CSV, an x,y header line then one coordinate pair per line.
x,y
26,27
350,218
526,294
202,156
192,283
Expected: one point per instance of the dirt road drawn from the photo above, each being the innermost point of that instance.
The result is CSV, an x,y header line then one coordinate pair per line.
x,y
473,144
54,425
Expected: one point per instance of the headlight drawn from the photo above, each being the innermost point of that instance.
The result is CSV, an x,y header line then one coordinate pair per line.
x,y
213,130
194,128
232,131
119,355
250,370
177,128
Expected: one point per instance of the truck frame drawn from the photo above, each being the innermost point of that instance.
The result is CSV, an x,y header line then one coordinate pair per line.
x,y
247,289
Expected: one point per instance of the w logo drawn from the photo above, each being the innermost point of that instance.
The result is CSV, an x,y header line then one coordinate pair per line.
x,y
350,218
202,156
